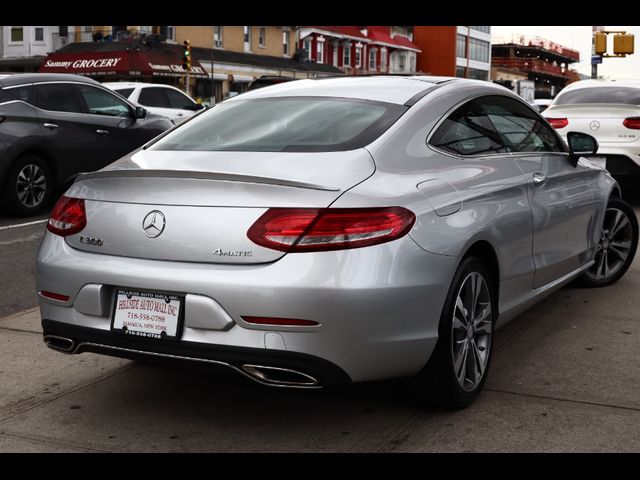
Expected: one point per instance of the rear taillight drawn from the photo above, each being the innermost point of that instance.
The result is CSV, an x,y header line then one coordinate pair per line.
x,y
558,122
632,123
68,217
313,230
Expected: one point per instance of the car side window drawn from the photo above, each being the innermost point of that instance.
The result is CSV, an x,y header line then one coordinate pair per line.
x,y
522,129
179,100
468,131
100,102
58,97
154,97
26,93
124,92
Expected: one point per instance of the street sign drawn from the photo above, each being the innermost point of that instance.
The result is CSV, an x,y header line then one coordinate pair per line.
x,y
596,59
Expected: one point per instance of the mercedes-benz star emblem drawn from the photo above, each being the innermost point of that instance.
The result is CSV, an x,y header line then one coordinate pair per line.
x,y
153,224
594,125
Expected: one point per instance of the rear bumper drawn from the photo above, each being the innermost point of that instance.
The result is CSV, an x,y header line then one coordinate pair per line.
x,y
92,340
378,307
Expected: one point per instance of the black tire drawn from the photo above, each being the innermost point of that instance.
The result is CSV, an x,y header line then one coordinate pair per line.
x,y
29,186
437,384
614,244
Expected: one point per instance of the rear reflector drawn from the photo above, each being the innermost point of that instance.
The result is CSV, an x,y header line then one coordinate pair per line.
x,y
68,217
55,296
558,122
314,230
632,122
278,321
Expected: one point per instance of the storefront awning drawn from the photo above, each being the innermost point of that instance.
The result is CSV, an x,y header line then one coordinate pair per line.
x,y
127,62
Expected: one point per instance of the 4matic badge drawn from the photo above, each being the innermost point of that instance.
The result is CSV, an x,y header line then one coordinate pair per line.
x,y
232,253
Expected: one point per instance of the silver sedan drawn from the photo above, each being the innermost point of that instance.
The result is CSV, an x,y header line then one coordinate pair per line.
x,y
334,230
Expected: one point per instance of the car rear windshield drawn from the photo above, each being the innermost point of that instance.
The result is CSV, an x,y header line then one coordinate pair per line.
x,y
626,95
285,124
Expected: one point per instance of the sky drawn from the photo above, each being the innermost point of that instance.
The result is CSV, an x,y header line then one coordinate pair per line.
x,y
579,38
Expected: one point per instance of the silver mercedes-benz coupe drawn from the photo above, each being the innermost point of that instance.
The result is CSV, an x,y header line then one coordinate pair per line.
x,y
335,230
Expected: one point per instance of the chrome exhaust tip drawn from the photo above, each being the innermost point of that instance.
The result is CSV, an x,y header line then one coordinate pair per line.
x,y
60,344
280,376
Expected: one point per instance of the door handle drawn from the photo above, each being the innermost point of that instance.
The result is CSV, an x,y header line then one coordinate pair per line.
x,y
179,114
102,132
50,126
539,179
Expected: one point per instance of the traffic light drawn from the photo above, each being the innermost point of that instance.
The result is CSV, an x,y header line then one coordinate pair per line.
x,y
600,41
623,44
186,56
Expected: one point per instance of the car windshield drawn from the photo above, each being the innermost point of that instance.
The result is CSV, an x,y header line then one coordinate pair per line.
x,y
625,95
125,92
288,124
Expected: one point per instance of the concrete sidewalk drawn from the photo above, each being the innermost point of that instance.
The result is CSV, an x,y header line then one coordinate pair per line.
x,y
565,377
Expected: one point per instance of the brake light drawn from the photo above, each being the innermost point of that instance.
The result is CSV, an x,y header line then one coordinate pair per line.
x,y
558,122
68,217
313,230
632,122
278,321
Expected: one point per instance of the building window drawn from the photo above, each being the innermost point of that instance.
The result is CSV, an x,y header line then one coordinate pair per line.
x,y
17,34
307,48
247,38
320,52
39,34
479,50
478,74
217,37
402,63
171,33
461,46
88,28
286,38
346,56
372,59
412,63
482,29
460,72
383,60
358,56
262,36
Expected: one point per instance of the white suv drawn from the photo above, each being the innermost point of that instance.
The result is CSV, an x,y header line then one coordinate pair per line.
x,y
609,110
157,98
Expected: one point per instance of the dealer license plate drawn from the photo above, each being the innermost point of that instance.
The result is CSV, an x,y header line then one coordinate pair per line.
x,y
147,314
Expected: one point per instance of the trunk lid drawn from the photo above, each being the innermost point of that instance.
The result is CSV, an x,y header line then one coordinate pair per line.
x,y
198,206
604,122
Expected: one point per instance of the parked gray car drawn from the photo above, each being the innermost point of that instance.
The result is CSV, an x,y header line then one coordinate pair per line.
x,y
337,230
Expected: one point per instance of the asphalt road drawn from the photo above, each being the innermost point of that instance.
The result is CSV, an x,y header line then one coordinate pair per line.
x,y
19,242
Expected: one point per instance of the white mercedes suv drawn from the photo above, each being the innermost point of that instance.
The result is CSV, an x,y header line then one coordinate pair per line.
x,y
609,110
157,98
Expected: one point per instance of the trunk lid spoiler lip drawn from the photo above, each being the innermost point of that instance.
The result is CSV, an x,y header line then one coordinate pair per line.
x,y
225,177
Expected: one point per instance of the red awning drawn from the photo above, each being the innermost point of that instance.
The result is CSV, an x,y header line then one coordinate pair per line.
x,y
121,63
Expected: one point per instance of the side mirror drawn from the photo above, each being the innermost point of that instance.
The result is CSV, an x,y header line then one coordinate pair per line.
x,y
580,144
140,112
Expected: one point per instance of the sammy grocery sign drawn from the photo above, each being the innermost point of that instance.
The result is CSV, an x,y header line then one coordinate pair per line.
x,y
84,64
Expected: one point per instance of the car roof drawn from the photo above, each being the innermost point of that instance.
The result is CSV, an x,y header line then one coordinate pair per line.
x,y
382,88
134,85
22,78
635,83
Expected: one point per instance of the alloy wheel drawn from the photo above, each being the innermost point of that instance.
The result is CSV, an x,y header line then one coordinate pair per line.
x,y
616,239
471,331
31,185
